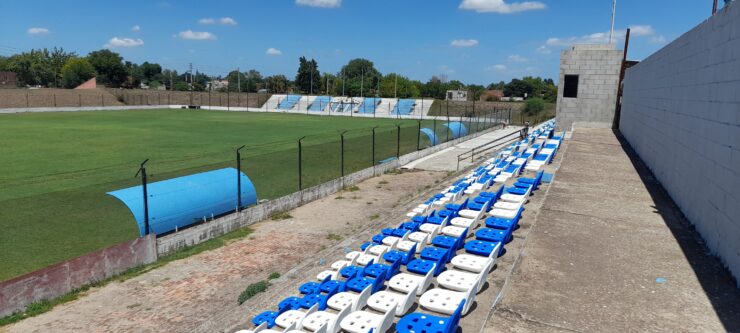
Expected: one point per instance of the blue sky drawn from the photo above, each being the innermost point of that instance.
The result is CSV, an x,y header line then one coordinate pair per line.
x,y
475,41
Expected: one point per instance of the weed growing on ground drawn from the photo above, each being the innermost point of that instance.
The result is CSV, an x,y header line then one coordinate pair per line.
x,y
252,290
334,237
273,276
353,188
281,216
374,217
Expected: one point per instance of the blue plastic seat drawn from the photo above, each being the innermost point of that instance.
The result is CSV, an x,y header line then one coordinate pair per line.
x,y
436,220
480,248
424,323
493,235
382,271
499,223
332,287
398,233
445,242
292,303
266,317
436,254
422,267
403,257
410,226
309,300
350,272
366,245
378,239
359,284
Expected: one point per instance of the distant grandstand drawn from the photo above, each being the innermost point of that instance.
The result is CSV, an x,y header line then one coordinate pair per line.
x,y
382,107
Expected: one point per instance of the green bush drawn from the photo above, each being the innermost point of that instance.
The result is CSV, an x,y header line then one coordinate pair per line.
x,y
76,71
252,290
534,106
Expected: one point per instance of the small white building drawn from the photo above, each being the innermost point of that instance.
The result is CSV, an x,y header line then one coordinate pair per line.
x,y
217,84
457,95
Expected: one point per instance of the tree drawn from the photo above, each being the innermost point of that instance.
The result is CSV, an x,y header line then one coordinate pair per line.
x,y
308,78
235,78
151,71
277,84
76,71
534,106
360,77
32,68
57,59
497,86
393,85
109,66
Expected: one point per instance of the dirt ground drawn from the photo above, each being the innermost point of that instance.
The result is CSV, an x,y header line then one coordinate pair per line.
x,y
199,294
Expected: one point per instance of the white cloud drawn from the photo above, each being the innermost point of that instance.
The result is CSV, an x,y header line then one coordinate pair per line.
x,y
196,35
319,3
658,39
498,68
543,50
136,28
500,6
221,21
464,42
124,42
603,37
517,58
641,30
38,31
273,52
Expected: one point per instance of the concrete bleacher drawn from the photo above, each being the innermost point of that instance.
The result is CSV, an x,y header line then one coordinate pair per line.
x,y
368,105
289,102
404,107
319,103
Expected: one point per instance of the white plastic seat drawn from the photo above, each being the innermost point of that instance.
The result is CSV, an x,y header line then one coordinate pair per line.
x,y
446,301
473,263
329,273
420,237
463,222
453,231
507,205
339,264
384,300
364,321
407,282
406,246
503,213
519,199
366,259
391,240
293,317
323,319
461,281
430,228
352,255
378,250
349,300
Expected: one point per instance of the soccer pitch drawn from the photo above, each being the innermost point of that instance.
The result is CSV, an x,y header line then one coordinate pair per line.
x,y
58,166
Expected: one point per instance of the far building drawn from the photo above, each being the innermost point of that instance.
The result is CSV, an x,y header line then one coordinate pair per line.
x,y
8,80
217,84
457,95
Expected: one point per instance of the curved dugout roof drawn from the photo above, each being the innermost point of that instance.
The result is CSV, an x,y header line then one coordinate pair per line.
x,y
431,135
179,202
457,128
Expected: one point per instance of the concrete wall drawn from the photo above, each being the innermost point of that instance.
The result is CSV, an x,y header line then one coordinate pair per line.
x,y
598,68
681,114
200,233
59,279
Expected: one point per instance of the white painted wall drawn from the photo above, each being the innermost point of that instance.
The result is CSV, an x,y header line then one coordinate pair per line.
x,y
681,114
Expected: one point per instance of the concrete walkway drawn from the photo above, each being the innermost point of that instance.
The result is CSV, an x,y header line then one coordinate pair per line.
x,y
610,252
446,160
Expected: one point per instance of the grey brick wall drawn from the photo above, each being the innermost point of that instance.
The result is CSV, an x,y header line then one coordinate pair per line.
x,y
681,114
598,69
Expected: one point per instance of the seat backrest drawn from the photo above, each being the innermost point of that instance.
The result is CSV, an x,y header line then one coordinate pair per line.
x,y
361,301
469,298
387,321
454,321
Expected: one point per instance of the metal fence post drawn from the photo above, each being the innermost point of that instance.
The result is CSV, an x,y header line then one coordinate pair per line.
x,y
418,137
342,153
55,100
398,141
435,132
26,99
79,96
300,163
102,100
239,179
374,144
142,171
448,120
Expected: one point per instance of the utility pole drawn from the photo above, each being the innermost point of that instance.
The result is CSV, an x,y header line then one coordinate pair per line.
x,y
395,89
238,81
343,83
310,89
362,84
614,14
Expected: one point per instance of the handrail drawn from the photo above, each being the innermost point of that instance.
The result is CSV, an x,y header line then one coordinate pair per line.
x,y
486,147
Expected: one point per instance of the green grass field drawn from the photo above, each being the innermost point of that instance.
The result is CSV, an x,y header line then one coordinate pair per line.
x,y
57,167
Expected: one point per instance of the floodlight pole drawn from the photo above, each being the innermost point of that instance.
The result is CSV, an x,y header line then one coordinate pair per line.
x,y
300,163
142,171
239,179
341,135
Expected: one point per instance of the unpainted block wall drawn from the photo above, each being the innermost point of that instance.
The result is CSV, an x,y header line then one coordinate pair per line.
x,y
598,68
681,114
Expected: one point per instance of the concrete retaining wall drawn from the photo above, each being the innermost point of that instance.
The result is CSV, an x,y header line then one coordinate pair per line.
x,y
59,279
200,233
681,114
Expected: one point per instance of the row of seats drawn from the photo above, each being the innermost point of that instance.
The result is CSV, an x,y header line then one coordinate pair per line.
x,y
288,102
453,237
